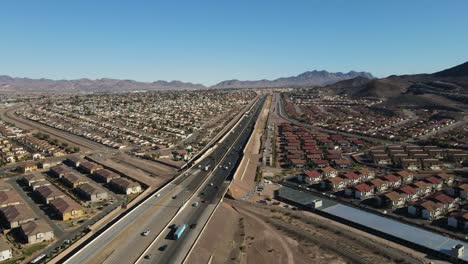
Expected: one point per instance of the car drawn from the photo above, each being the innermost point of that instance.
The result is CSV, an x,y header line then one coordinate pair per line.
x,y
174,197
195,204
148,256
211,184
146,232
193,225
162,248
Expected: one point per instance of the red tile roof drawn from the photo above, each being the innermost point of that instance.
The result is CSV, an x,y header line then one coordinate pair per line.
x,y
363,187
312,174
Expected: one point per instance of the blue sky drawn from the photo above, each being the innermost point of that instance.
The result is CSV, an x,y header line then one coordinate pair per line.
x,y
210,41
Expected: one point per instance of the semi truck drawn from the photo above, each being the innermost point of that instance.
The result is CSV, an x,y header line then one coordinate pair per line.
x,y
178,231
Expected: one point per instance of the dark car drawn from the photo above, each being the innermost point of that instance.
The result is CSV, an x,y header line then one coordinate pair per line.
x,y
193,225
162,248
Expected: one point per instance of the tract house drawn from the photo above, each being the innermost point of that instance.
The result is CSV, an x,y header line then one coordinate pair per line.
x,y
66,209
15,215
334,184
393,199
36,232
91,192
360,191
310,177
105,175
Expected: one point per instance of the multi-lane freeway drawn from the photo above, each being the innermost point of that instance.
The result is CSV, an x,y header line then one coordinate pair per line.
x,y
188,199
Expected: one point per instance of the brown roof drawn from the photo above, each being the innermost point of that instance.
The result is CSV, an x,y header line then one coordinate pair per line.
x,y
10,196
74,178
33,228
107,174
14,213
335,180
430,206
443,198
377,182
404,174
65,204
124,183
90,189
49,191
394,196
34,177
60,169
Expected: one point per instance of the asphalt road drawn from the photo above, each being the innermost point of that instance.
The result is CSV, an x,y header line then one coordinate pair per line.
x,y
123,242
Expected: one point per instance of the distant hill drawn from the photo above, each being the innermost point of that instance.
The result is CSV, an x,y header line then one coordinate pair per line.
x,y
434,90
309,78
457,71
11,84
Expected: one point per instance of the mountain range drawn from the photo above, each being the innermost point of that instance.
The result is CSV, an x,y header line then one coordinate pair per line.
x,y
310,78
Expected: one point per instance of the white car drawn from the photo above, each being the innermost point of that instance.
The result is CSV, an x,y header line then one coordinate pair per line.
x,y
146,233
195,204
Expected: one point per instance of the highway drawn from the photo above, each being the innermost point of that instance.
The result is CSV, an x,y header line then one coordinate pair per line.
x,y
123,241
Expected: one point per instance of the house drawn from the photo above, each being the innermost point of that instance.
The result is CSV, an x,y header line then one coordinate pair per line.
x,y
459,191
48,193
125,186
393,199
9,197
427,210
38,184
36,231
350,178
431,164
66,208
458,220
26,168
74,161
310,177
334,184
365,174
379,185
448,179
446,201
409,193
360,191
393,181
89,167
320,163
14,215
32,178
436,183
411,164
104,175
342,163
328,172
381,159
5,250
91,192
73,180
422,187
405,176
59,171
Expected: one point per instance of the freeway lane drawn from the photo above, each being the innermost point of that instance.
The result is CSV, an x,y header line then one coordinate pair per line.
x,y
122,241
207,197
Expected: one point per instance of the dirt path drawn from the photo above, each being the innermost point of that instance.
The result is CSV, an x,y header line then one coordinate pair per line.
x,y
277,236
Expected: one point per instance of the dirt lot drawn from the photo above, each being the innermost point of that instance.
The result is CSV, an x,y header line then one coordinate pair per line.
x,y
242,232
